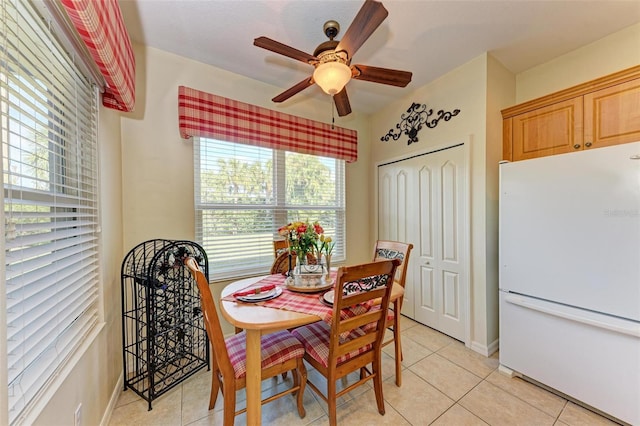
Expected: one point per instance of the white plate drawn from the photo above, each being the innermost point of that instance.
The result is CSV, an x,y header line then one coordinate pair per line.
x,y
260,297
328,297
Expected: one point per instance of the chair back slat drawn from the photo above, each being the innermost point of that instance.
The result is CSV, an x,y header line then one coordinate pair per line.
x,y
364,296
359,321
355,344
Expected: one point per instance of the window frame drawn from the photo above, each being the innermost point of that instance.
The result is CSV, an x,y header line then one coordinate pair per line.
x,y
279,208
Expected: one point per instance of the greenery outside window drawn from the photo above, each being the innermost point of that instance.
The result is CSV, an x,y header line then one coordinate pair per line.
x,y
244,193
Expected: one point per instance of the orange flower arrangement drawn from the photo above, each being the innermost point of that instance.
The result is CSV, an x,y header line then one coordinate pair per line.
x,y
307,238
302,236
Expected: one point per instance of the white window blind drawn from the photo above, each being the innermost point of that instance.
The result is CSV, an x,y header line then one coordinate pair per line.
x,y
49,177
244,193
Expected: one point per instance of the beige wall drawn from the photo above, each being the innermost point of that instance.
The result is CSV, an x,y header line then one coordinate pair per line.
x,y
358,195
613,53
92,382
500,94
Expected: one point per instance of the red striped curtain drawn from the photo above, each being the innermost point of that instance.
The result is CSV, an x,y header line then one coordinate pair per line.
x,y
99,24
210,116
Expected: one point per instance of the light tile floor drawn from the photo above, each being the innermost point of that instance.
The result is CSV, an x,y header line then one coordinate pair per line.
x,y
443,383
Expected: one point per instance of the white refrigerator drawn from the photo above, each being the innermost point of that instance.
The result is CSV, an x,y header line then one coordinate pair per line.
x,y
570,275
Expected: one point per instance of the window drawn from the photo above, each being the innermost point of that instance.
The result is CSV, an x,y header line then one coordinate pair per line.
x,y
49,281
244,193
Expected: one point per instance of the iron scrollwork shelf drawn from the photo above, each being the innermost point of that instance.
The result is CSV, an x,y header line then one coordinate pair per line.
x,y
412,121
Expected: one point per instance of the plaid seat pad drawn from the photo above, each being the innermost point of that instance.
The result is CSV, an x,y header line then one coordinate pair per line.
x,y
372,325
275,348
315,338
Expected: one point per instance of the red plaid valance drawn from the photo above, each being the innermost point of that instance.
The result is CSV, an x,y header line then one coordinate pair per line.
x,y
99,23
210,116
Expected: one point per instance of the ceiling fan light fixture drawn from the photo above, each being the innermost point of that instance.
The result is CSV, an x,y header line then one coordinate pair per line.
x,y
332,76
332,59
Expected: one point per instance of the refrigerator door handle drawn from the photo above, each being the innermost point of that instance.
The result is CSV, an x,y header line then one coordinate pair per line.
x,y
633,330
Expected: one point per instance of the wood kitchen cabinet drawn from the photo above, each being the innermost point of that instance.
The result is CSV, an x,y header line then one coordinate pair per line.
x,y
599,113
612,115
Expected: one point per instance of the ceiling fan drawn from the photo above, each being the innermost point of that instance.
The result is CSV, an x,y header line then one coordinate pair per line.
x,y
332,59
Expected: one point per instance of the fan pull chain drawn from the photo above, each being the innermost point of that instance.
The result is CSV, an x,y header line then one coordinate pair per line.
x,y
333,114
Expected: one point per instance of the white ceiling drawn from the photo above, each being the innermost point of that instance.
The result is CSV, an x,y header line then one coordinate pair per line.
x,y
428,38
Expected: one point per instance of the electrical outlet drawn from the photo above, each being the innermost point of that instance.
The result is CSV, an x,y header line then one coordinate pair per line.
x,y
77,418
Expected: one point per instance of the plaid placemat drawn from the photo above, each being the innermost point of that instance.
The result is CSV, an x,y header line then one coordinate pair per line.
x,y
306,303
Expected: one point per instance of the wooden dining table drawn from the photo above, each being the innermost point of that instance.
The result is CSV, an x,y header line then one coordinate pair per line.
x,y
257,320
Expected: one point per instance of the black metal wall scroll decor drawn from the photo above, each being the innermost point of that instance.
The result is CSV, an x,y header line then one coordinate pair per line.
x,y
412,121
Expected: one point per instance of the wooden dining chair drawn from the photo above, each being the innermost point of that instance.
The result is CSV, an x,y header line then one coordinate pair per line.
x,y
281,263
385,250
279,246
344,346
280,352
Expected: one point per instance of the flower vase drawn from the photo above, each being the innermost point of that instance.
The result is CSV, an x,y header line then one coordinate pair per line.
x,y
302,260
327,259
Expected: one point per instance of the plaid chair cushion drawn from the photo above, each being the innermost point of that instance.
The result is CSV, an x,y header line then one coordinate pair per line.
x,y
315,338
371,326
276,348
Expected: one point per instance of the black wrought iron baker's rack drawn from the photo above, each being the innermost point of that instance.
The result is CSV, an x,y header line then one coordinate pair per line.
x,y
163,334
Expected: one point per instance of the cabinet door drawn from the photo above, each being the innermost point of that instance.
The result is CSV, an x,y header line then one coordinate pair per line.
x,y
554,129
612,115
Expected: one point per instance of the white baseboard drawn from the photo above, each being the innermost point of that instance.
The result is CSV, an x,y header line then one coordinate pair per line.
x,y
494,346
485,350
113,401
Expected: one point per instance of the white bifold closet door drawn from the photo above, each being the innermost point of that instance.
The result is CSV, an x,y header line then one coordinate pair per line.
x,y
424,200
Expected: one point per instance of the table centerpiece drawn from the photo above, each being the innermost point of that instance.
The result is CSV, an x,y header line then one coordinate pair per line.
x,y
308,243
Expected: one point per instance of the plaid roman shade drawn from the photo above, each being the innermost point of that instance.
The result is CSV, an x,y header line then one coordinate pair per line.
x,y
101,27
205,115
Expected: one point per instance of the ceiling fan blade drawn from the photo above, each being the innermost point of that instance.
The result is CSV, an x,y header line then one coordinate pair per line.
x,y
381,75
293,90
283,49
370,16
342,102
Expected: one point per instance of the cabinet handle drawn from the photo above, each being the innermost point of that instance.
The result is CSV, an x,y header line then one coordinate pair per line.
x,y
577,146
588,144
